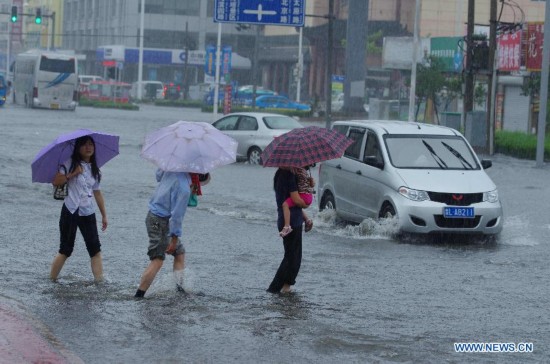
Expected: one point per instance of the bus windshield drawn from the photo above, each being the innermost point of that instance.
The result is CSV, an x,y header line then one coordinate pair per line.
x,y
57,65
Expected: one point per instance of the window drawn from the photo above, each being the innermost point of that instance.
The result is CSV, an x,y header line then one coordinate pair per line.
x,y
247,123
342,129
227,123
372,147
354,150
173,7
57,65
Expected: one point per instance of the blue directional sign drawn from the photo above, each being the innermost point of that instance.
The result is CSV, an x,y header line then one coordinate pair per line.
x,y
270,12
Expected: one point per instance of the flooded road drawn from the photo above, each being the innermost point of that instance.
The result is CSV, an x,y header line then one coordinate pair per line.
x,y
361,296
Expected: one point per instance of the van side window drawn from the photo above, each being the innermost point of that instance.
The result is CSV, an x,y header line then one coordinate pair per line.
x,y
372,147
342,129
354,150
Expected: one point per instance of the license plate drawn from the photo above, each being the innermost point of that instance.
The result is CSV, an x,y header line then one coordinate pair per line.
x,y
54,106
458,212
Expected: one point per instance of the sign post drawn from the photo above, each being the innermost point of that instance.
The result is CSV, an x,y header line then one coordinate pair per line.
x,y
266,12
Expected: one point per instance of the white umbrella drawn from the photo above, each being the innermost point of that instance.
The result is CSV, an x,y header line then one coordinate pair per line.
x,y
187,146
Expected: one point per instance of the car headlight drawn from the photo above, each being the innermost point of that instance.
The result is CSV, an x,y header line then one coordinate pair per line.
x,y
414,195
491,196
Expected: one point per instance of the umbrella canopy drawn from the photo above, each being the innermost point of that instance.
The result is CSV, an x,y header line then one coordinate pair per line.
x,y
187,146
46,163
305,146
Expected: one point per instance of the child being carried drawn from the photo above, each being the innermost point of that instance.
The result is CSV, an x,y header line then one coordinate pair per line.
x,y
305,190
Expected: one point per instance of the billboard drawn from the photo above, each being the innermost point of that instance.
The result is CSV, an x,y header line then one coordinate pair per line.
x,y
449,51
535,35
509,51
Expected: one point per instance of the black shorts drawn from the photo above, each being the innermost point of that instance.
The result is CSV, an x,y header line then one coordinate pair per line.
x,y
68,223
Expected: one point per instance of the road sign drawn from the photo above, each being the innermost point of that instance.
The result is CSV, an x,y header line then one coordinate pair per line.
x,y
270,12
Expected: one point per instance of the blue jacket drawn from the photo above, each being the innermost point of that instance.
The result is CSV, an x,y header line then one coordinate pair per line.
x,y
171,197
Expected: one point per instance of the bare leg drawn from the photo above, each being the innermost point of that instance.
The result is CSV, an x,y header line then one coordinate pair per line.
x,y
150,273
286,214
179,265
97,267
179,262
57,265
286,288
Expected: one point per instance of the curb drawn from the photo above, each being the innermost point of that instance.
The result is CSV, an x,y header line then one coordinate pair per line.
x,y
24,339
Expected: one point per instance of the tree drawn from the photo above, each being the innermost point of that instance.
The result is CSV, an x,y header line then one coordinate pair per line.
x,y
430,80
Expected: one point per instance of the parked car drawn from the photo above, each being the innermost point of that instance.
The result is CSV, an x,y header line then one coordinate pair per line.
x,y
172,91
3,90
84,83
254,131
240,95
86,79
150,90
279,102
428,176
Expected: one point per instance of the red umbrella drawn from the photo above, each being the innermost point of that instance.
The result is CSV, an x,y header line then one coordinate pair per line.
x,y
305,146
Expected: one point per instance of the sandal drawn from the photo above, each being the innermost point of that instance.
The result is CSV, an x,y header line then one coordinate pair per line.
x,y
286,230
308,225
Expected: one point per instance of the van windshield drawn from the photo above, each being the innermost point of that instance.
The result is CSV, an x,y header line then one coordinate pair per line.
x,y
430,152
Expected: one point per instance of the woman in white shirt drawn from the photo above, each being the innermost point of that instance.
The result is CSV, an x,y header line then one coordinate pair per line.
x,y
82,176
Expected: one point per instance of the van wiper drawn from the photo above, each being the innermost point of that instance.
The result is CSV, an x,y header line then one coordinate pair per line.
x,y
458,156
440,162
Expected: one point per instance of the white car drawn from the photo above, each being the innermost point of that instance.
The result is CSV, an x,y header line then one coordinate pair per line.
x,y
150,90
254,131
427,175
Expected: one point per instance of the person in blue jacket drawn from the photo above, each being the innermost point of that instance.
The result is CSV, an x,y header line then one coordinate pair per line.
x,y
167,209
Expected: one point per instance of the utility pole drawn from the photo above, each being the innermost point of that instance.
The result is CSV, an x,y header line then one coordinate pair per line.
x,y
541,125
186,64
356,38
469,76
416,36
256,66
140,57
328,76
53,29
492,76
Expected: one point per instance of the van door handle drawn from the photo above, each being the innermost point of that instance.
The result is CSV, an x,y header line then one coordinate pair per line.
x,y
358,172
339,166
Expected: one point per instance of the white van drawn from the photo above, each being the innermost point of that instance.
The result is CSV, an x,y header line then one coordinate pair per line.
x,y
427,175
86,79
150,90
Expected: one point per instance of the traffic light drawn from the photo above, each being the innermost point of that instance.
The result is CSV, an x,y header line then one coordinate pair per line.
x,y
13,14
38,18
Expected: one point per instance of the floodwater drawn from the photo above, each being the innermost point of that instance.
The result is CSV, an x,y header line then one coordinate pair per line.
x,y
362,295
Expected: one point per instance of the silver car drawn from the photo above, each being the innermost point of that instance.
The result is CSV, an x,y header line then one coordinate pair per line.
x,y
254,131
427,175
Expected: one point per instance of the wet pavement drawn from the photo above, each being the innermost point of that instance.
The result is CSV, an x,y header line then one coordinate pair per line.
x,y
361,295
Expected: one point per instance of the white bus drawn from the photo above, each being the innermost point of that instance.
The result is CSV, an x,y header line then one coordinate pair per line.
x,y
45,80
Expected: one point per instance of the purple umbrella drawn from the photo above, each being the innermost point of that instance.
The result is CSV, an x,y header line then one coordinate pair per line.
x,y
305,146
46,163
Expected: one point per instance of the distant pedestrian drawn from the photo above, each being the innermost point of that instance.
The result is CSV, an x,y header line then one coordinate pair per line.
x,y
285,186
167,209
82,176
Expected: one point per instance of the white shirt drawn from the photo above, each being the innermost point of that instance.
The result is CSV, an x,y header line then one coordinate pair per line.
x,y
81,189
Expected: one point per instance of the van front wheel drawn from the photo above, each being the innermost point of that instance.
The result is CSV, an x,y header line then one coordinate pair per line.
x,y
387,211
327,203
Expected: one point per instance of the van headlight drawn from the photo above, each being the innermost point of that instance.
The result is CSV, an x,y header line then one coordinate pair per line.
x,y
491,196
414,195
